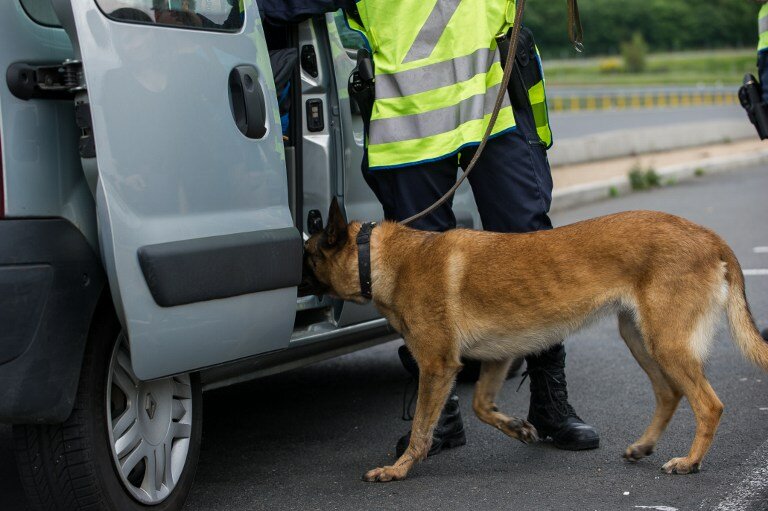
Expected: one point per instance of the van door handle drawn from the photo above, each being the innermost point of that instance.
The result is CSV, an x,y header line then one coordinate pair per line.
x,y
246,98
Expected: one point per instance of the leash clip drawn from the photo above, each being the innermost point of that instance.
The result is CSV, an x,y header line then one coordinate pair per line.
x,y
575,29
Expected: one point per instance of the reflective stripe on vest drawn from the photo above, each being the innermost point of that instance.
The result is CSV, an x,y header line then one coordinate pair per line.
x,y
537,95
762,22
437,76
434,76
434,122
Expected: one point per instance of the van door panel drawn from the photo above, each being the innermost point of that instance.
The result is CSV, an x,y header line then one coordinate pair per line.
x,y
185,201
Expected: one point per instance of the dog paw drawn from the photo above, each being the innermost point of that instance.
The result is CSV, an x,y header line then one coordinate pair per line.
x,y
384,475
638,452
680,466
522,430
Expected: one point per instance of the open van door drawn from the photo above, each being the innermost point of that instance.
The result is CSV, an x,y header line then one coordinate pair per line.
x,y
196,234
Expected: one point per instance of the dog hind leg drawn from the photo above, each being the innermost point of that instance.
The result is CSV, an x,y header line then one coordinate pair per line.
x,y
707,408
436,378
673,340
492,377
667,396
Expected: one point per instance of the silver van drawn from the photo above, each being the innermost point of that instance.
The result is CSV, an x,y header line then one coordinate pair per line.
x,y
155,187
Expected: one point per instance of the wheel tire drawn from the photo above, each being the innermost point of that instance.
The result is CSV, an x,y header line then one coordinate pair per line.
x,y
471,370
71,466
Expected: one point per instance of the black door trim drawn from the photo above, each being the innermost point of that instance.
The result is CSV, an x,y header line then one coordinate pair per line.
x,y
198,270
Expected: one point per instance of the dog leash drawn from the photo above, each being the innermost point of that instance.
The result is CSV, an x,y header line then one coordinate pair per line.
x,y
575,28
576,34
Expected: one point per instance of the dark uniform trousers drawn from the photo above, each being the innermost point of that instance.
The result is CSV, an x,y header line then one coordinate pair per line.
x,y
511,183
762,68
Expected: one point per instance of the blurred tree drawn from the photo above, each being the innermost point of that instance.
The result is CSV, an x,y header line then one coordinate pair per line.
x,y
634,53
665,24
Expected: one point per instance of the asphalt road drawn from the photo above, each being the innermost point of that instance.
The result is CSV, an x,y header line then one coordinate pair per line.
x,y
301,440
578,124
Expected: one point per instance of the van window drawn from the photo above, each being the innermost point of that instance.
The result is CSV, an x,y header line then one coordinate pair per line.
x,y
351,39
41,11
201,14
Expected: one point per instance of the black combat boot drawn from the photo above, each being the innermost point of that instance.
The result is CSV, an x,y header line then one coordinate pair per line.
x,y
449,431
550,411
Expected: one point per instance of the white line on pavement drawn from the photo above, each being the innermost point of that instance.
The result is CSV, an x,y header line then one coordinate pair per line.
x,y
761,250
752,489
762,272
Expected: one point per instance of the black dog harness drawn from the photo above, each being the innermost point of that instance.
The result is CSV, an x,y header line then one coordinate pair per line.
x,y
364,258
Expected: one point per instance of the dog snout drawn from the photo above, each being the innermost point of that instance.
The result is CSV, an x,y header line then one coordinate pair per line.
x,y
310,285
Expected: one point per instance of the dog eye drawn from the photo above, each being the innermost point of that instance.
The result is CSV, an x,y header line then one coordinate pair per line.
x,y
313,260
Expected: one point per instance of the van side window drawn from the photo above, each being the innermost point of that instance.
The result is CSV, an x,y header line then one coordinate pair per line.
x,y
41,11
226,15
351,39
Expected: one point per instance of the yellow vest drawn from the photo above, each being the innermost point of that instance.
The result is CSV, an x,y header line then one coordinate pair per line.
x,y
437,76
762,21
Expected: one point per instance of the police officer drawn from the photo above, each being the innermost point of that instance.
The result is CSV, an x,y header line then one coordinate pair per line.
x,y
438,70
762,48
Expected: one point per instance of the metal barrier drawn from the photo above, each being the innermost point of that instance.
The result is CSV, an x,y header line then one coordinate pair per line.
x,y
618,99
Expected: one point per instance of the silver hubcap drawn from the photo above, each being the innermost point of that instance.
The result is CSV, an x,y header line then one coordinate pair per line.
x,y
149,427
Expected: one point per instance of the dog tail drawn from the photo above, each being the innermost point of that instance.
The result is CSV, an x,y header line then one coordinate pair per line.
x,y
743,328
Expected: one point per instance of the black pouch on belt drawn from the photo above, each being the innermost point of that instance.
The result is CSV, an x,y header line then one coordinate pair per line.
x,y
361,86
526,72
750,97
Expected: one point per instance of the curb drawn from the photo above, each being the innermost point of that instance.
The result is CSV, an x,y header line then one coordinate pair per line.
x,y
634,141
578,195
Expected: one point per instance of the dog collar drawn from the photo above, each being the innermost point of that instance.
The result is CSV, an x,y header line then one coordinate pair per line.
x,y
364,258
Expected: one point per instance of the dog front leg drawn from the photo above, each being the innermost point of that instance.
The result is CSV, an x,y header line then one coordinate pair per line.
x,y
435,383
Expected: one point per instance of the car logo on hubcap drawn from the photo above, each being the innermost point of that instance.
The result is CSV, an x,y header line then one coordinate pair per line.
x,y
150,405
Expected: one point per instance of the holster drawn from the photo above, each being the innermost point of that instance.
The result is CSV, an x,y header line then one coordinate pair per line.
x,y
525,74
361,86
750,97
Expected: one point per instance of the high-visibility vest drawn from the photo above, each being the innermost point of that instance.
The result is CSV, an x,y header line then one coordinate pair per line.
x,y
537,97
438,73
762,22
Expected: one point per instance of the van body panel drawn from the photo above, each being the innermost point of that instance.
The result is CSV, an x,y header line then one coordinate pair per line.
x,y
42,176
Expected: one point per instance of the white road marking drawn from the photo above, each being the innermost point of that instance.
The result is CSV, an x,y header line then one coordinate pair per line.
x,y
752,488
761,272
761,250
658,508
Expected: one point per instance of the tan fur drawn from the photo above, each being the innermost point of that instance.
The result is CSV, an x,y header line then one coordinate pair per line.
x,y
496,297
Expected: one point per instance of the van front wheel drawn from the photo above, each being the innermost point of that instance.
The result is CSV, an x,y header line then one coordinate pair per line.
x,y
128,444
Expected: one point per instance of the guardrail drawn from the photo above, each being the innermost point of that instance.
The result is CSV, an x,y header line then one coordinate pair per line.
x,y
609,99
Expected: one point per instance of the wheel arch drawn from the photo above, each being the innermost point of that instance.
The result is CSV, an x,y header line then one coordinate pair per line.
x,y
44,349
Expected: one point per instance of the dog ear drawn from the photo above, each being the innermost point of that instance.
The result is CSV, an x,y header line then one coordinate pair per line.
x,y
336,230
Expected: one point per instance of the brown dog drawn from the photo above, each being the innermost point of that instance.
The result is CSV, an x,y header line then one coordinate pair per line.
x,y
496,297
